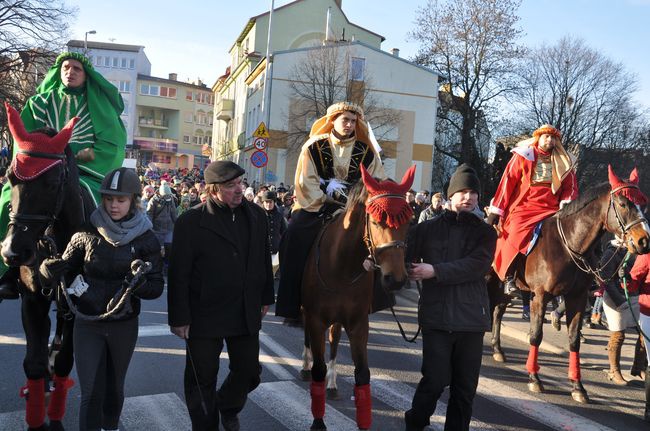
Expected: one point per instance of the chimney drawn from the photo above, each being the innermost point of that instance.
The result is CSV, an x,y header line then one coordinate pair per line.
x,y
173,76
395,52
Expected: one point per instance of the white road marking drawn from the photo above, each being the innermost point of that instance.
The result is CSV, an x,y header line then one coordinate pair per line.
x,y
160,412
290,405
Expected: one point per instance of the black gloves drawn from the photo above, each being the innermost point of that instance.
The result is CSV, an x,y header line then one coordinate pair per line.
x,y
492,219
52,269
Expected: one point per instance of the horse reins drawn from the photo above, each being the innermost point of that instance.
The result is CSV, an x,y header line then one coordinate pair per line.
x,y
579,260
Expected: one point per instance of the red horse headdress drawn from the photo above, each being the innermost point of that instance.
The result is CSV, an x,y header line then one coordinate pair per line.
x,y
388,199
25,166
633,193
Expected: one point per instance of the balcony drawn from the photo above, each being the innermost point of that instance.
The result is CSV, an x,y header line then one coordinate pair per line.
x,y
225,109
153,123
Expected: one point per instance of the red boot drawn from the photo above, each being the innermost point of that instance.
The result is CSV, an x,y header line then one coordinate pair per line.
x,y
34,394
58,396
317,390
363,403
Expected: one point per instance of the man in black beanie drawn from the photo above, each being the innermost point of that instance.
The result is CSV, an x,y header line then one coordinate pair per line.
x,y
454,251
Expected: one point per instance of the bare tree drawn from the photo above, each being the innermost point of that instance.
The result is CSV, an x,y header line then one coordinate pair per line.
x,y
31,31
472,44
585,94
325,77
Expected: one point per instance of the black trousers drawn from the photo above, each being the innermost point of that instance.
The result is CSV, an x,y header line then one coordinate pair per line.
x,y
295,246
244,376
102,352
448,359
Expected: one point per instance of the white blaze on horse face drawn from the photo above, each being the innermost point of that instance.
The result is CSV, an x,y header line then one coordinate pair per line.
x,y
645,225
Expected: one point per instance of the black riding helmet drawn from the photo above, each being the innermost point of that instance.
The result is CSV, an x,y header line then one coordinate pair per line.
x,y
121,182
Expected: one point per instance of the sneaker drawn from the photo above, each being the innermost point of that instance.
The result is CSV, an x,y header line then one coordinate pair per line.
x,y
509,286
555,321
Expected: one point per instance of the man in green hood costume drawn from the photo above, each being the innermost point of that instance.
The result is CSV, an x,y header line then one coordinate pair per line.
x,y
73,88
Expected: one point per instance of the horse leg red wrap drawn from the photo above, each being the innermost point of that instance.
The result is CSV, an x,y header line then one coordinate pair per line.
x,y
58,396
363,402
531,364
317,390
34,393
574,365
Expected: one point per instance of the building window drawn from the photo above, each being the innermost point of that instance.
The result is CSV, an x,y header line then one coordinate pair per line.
x,y
131,64
186,139
168,92
189,117
144,89
107,62
98,60
123,63
357,66
125,86
189,96
116,62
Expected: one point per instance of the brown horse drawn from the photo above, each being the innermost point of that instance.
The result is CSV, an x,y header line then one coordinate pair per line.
x,y
337,290
563,263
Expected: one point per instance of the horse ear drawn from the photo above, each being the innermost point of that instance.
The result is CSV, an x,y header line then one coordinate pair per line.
x,y
371,184
407,179
634,176
16,125
614,181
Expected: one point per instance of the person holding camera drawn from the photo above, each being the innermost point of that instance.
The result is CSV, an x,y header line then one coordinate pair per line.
x,y
106,294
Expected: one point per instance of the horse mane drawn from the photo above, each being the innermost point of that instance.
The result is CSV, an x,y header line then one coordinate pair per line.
x,y
590,195
357,195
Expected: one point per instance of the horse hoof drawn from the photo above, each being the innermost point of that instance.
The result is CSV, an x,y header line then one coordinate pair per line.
x,y
333,394
318,425
499,357
305,375
580,397
56,426
536,387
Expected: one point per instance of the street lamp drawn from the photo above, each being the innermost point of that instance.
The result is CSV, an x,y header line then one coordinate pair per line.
x,y
86,40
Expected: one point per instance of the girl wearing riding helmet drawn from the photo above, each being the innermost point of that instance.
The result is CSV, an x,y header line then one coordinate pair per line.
x,y
119,233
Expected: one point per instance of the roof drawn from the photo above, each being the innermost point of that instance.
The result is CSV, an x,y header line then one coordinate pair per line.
x,y
251,22
105,45
172,81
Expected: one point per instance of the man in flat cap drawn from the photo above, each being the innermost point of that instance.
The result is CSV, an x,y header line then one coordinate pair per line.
x,y
220,286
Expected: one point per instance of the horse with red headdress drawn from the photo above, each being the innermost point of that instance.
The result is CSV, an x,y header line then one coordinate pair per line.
x,y
336,289
563,262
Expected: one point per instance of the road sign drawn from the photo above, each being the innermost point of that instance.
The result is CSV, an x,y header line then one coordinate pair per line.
x,y
259,159
261,131
260,143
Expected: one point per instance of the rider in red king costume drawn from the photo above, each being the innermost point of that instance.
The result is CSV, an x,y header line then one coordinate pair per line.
x,y
538,180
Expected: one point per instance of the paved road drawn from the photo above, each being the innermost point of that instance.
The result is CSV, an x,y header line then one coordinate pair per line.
x,y
155,396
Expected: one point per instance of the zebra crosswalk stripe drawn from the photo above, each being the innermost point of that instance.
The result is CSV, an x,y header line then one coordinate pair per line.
x,y
290,405
155,412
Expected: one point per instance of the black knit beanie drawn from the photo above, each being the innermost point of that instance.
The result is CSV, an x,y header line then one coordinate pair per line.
x,y
463,178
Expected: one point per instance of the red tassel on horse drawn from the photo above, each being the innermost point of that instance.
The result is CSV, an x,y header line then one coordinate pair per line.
x,y
317,390
363,403
56,409
574,365
531,364
34,393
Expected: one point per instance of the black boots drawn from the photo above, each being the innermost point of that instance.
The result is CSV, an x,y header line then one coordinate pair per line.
x,y
8,285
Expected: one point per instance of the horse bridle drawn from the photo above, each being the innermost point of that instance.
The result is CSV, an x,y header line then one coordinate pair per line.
x,y
21,220
579,260
375,250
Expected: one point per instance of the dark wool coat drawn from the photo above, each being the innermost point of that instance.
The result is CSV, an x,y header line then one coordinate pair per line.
x,y
211,287
460,246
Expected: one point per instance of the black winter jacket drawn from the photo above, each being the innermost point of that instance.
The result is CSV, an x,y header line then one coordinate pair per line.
x,y
277,227
104,267
460,246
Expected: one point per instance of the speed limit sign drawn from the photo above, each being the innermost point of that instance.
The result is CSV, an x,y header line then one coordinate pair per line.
x,y
260,143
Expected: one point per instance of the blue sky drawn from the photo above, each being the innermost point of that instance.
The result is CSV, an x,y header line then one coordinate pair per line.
x,y
194,41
